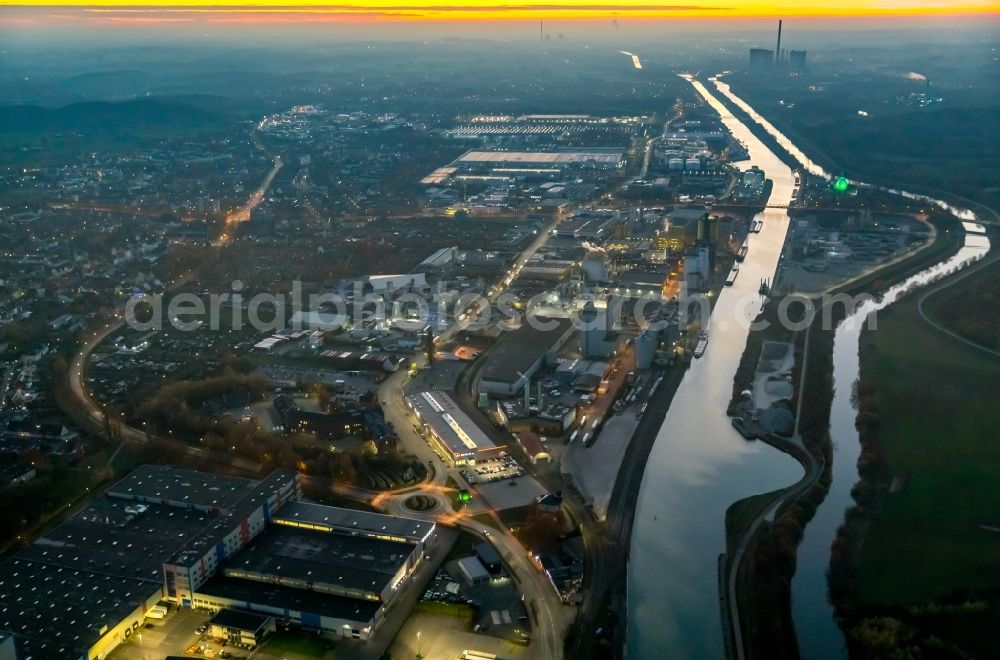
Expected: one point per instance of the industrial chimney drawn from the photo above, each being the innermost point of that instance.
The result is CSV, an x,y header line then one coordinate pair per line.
x,y
777,49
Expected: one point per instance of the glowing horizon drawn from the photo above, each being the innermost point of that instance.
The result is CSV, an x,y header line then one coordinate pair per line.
x,y
264,11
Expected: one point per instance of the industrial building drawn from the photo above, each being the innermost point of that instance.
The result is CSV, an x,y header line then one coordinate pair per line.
x,y
591,225
761,59
533,447
7,650
440,263
473,571
240,627
765,59
210,541
540,269
489,556
686,225
634,283
751,184
646,344
450,430
597,158
598,337
362,423
797,60
521,353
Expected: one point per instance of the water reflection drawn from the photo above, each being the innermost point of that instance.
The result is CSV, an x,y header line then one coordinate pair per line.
x,y
699,465
819,636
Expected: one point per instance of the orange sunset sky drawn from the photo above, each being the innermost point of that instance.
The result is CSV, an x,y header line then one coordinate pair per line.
x,y
438,10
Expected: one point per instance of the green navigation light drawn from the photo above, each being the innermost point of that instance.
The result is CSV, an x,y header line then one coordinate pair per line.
x,y
840,185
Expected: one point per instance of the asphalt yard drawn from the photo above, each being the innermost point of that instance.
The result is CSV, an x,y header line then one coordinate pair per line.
x,y
439,636
593,469
511,493
159,638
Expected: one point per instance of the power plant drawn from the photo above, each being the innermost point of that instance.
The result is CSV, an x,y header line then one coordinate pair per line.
x,y
763,59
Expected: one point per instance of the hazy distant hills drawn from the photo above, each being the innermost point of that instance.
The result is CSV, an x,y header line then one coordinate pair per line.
x,y
139,115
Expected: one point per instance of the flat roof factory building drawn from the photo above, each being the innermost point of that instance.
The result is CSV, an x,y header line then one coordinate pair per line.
x,y
517,356
212,541
594,158
240,627
450,430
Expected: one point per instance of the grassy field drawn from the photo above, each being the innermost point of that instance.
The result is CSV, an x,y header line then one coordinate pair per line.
x,y
936,400
971,307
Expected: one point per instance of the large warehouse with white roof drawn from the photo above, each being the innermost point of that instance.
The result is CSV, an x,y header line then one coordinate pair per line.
x,y
450,430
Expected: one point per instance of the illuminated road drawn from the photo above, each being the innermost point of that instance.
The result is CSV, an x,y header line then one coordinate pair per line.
x,y
242,213
635,58
550,617
94,414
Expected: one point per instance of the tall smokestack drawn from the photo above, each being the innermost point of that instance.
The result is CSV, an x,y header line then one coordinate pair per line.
x,y
777,49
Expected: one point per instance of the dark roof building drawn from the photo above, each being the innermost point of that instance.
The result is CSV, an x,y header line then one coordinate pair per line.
x,y
330,426
207,540
489,556
241,627
348,521
518,355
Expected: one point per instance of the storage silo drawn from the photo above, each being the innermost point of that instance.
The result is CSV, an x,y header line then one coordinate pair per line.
x,y
645,348
594,269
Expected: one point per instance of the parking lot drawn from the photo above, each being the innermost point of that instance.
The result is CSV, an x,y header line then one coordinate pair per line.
x,y
499,621
490,471
183,633
440,636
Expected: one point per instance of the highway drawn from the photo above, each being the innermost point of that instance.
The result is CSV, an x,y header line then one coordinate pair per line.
x,y
242,213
